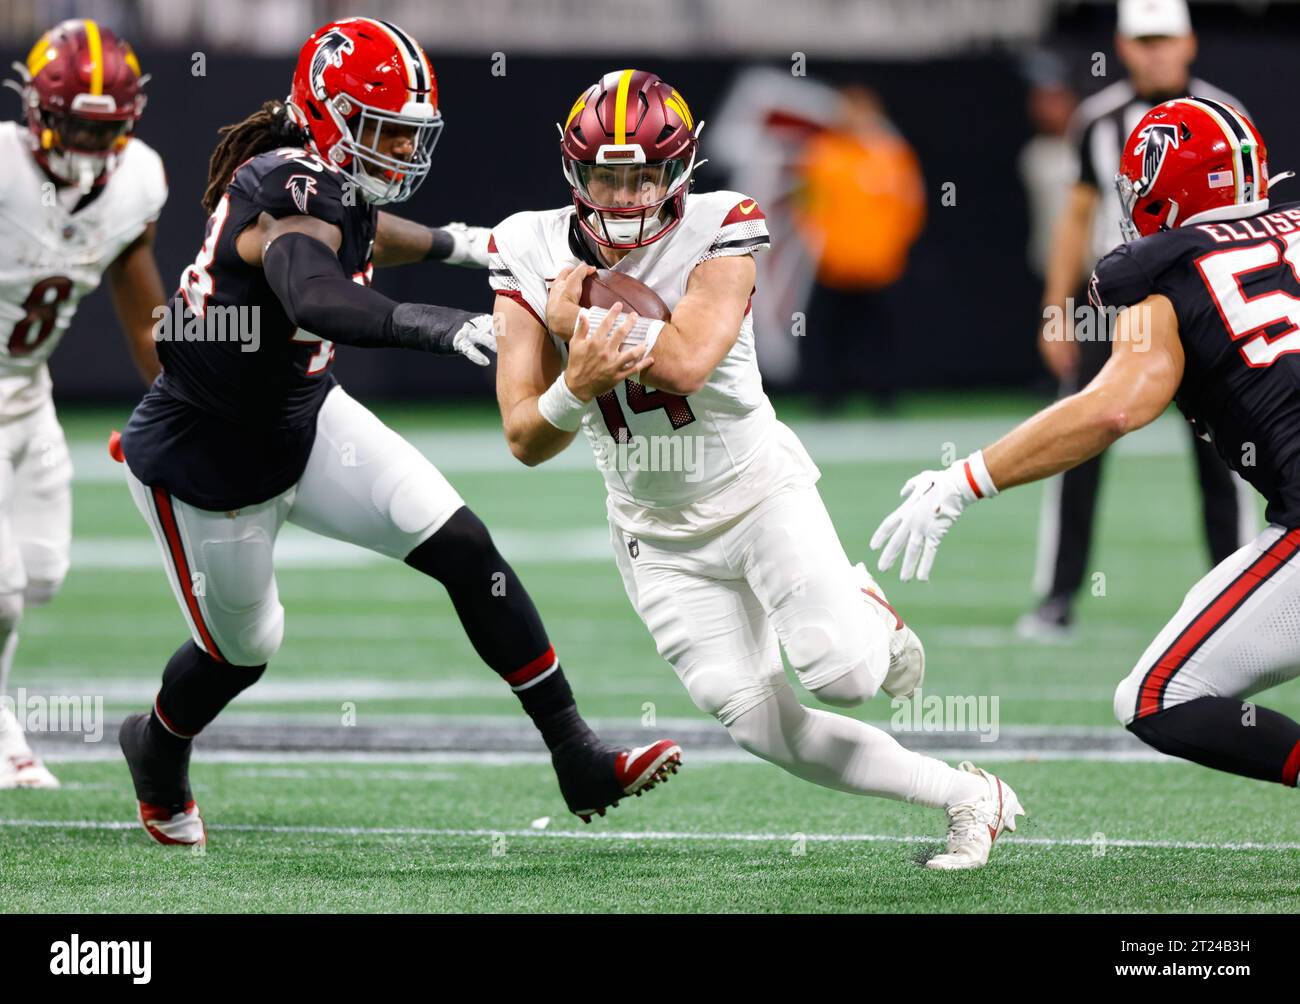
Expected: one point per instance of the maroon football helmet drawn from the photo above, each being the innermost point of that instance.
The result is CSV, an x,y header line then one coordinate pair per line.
x,y
82,93
629,146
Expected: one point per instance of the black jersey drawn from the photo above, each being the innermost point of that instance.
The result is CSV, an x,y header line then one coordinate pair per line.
x,y
1235,288
231,420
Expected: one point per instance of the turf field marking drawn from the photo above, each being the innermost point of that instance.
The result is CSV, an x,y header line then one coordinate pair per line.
x,y
650,835
696,758
484,449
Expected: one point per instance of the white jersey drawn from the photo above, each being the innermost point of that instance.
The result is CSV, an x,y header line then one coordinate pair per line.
x,y
51,256
674,467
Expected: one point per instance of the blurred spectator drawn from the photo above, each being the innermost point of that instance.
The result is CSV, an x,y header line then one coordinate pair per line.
x,y
862,208
1047,162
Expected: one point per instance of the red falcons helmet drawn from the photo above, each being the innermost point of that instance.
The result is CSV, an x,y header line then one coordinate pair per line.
x,y
355,79
82,94
629,146
1191,160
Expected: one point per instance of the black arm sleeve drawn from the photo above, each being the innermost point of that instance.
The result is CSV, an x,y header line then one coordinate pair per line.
x,y
316,293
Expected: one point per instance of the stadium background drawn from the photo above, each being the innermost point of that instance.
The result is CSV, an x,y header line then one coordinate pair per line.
x,y
407,809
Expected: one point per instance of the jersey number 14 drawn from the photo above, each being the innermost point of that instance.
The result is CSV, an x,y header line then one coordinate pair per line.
x,y
641,400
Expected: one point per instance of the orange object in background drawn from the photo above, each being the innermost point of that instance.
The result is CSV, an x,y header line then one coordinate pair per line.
x,y
863,200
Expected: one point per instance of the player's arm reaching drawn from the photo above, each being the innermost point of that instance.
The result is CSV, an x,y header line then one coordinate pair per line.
x,y
137,290
299,255
1134,388
400,241
541,403
705,323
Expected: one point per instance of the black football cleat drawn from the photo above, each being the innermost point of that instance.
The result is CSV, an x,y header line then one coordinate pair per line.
x,y
162,785
593,777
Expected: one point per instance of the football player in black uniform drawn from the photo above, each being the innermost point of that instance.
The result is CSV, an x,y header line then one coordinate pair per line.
x,y
1208,300
247,428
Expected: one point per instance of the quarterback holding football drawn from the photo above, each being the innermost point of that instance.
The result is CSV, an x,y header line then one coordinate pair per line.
x,y
79,197
732,559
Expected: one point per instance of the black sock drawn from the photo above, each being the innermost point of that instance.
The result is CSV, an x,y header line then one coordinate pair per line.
x,y
501,622
195,688
1227,734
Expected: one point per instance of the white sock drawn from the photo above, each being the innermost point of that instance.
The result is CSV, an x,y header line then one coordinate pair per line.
x,y
8,645
843,753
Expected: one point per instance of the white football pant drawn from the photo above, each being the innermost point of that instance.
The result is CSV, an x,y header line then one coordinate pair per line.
x,y
721,609
1236,633
35,520
363,484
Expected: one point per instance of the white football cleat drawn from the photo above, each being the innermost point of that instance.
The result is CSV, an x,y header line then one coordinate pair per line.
x,y
974,825
19,766
906,654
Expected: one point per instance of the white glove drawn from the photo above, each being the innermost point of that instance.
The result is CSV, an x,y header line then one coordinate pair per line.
x,y
471,245
474,335
934,500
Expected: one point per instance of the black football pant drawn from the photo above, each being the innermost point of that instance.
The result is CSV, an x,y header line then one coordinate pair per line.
x,y
1076,502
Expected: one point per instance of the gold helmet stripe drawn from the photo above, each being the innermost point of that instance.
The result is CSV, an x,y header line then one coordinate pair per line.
x,y
678,104
96,56
578,106
620,107
42,52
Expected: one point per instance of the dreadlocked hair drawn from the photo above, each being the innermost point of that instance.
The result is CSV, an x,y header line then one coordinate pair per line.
x,y
268,128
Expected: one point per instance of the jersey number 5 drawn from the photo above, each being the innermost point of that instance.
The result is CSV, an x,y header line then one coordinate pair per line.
x,y
640,400
1249,318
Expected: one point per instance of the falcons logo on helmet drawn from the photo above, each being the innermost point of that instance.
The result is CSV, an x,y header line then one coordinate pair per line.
x,y
1154,143
301,186
330,50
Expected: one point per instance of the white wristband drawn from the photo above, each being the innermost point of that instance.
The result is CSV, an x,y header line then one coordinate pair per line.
x,y
975,473
561,407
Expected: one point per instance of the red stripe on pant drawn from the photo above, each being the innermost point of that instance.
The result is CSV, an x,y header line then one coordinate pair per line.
x,y
1225,604
162,502
534,669
1291,769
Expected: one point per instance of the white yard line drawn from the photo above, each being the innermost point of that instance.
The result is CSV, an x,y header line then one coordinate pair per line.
x,y
101,752
653,835
483,449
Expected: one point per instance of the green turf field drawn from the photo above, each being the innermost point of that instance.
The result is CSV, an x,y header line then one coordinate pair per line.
x,y
372,639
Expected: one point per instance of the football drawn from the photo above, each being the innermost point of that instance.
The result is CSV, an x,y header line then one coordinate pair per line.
x,y
605,287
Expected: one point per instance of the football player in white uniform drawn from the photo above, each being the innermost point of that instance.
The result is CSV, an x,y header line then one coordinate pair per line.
x,y
78,199
724,545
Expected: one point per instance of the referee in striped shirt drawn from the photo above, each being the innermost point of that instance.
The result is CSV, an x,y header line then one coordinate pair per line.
x,y
1155,42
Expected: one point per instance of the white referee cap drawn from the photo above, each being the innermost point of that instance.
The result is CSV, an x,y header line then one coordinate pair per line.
x,y
1140,18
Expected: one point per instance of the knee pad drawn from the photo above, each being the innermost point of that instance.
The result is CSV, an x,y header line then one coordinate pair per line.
x,y
11,611
258,642
41,591
850,690
1125,704
414,496
721,694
